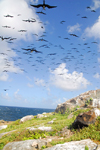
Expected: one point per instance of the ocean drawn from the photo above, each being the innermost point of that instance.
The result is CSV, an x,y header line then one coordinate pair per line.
x,y
10,113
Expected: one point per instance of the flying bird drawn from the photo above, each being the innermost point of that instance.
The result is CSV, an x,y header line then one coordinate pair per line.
x,y
31,50
88,7
84,17
41,12
43,5
22,30
9,16
93,11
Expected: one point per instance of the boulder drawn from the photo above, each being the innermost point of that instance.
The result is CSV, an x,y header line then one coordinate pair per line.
x,y
50,122
81,100
43,128
75,145
3,127
31,128
40,115
25,145
48,129
26,118
84,119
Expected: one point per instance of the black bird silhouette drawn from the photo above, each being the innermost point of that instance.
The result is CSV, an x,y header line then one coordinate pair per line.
x,y
9,16
88,7
31,50
93,11
40,12
43,5
22,30
84,17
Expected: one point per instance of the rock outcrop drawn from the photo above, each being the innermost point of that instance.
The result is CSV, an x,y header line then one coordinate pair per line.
x,y
75,145
3,127
25,145
43,128
26,118
81,100
84,119
41,115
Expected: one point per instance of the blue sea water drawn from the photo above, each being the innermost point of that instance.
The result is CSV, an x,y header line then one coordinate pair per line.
x,y
9,113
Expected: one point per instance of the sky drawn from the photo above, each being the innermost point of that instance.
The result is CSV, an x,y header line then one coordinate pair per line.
x,y
48,56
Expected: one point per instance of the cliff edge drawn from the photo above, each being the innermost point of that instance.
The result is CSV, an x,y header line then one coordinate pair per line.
x,y
89,98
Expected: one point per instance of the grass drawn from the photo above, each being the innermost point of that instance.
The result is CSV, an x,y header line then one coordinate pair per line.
x,y
21,133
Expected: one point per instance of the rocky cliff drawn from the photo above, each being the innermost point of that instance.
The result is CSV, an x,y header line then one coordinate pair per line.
x,y
89,98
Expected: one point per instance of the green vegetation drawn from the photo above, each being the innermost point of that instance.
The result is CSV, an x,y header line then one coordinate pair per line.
x,y
88,102
43,147
86,147
61,121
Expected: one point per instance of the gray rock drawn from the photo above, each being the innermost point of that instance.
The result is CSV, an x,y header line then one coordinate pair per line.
x,y
40,115
75,145
3,127
45,129
31,128
40,128
25,145
26,118
50,122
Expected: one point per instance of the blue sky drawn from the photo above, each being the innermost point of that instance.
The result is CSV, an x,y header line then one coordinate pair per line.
x,y
67,39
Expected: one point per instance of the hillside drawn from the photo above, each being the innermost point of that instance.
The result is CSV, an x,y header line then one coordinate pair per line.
x,y
50,130
81,101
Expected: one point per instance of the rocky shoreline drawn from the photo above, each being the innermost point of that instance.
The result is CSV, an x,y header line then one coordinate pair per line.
x,y
45,130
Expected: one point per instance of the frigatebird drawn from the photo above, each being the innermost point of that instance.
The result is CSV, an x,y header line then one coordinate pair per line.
x,y
40,12
43,5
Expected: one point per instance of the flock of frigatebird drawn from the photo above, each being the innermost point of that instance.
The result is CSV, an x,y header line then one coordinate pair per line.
x,y
55,58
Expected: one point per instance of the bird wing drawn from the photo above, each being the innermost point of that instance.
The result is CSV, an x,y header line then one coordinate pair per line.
x,y
37,6
46,5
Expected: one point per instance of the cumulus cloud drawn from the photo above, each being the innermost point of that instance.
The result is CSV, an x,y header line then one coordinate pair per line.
x,y
20,10
93,31
97,76
30,85
61,78
71,29
96,4
6,64
39,82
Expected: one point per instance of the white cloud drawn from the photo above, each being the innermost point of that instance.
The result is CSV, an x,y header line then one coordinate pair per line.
x,y
67,81
6,64
73,28
96,4
94,30
97,76
22,12
30,85
39,82
18,96
6,96
16,23
99,59
16,92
